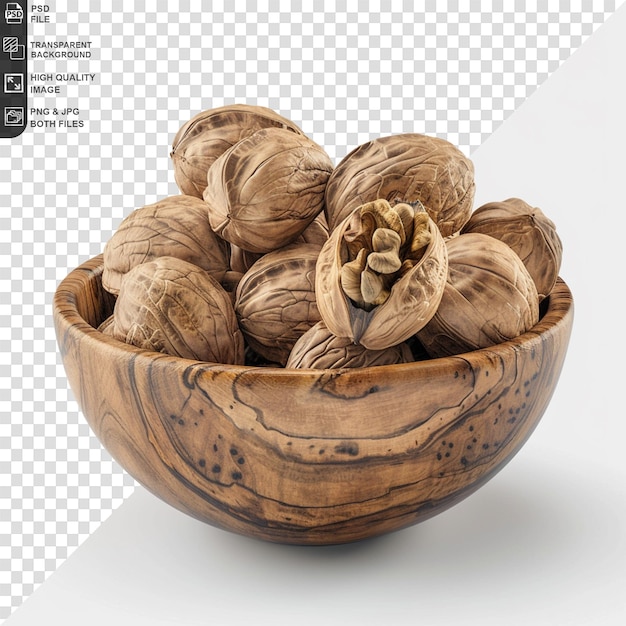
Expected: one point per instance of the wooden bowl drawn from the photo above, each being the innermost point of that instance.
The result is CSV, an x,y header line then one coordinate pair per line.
x,y
304,456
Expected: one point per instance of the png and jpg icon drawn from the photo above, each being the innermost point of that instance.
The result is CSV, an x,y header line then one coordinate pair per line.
x,y
14,116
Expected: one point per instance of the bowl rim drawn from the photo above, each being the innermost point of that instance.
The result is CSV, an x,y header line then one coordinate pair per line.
x,y
556,310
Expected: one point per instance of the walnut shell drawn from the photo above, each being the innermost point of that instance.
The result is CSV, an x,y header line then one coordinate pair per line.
x,y
210,133
316,233
318,348
172,306
264,191
411,297
107,327
528,232
241,260
176,226
489,298
275,300
404,168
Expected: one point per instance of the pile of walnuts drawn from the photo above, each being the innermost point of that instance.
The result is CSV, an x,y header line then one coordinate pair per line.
x,y
270,255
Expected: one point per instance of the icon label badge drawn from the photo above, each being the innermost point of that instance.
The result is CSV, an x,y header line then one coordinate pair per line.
x,y
13,13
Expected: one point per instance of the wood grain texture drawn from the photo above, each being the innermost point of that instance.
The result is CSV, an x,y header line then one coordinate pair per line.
x,y
307,456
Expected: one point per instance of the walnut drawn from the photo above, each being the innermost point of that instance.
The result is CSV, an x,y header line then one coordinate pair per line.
x,y
316,233
404,168
489,298
172,306
107,327
264,191
318,348
241,260
176,226
381,274
210,133
528,232
275,300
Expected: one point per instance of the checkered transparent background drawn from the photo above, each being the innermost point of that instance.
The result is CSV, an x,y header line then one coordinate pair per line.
x,y
343,77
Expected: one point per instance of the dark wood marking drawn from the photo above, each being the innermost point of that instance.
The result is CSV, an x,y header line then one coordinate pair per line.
x,y
350,448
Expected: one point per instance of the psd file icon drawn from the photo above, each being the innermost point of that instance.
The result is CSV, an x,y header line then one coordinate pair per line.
x,y
13,13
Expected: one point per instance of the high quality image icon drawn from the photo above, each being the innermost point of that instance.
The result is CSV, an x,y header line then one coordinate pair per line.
x,y
14,83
